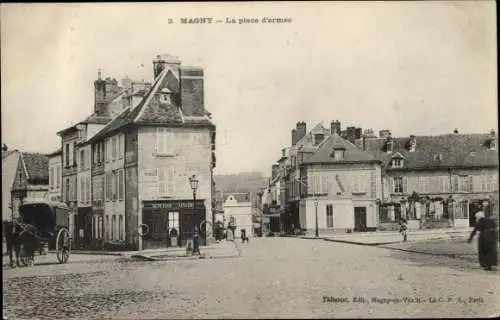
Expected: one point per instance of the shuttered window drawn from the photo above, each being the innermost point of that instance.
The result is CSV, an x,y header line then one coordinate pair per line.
x,y
120,185
166,181
109,186
164,140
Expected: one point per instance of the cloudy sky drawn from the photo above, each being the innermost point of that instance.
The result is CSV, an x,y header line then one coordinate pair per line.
x,y
414,68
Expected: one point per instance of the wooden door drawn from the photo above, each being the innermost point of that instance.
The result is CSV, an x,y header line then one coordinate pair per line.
x,y
360,219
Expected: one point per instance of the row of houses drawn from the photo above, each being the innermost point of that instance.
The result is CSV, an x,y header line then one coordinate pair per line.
x,y
128,168
335,180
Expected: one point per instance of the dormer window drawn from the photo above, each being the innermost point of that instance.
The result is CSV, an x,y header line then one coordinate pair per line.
x,y
389,145
338,154
397,163
165,96
439,157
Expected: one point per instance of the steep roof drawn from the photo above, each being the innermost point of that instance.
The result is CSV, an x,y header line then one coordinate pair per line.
x,y
153,111
456,150
352,154
37,165
96,119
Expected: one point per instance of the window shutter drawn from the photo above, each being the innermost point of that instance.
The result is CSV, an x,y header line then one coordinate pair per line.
x,y
120,184
162,190
88,190
325,185
455,183
471,185
405,185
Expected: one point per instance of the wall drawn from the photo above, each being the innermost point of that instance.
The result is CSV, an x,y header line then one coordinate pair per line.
x,y
343,214
113,205
242,212
55,178
84,191
191,155
131,206
9,169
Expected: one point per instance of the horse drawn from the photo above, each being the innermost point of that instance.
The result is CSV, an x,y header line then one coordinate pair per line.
x,y
17,234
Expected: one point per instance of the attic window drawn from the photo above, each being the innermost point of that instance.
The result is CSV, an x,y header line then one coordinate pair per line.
x,y
165,98
438,157
397,163
338,154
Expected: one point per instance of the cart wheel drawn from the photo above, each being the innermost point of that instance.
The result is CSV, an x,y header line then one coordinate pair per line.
x,y
26,259
63,245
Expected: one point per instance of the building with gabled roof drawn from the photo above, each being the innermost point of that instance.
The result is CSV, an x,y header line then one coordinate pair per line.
x,y
132,171
238,208
435,181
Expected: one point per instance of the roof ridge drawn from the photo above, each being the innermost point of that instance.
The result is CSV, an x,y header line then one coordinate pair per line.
x,y
148,97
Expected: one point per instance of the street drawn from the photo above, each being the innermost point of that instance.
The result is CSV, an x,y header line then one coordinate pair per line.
x,y
275,277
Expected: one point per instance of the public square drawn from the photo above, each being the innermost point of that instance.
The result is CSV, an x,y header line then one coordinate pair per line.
x,y
274,277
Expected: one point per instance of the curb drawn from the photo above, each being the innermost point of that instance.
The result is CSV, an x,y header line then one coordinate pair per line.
x,y
449,255
361,243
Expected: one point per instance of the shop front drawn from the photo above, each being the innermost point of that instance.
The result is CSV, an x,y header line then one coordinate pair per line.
x,y
170,223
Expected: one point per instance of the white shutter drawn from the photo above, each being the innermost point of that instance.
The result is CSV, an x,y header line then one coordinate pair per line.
x,y
324,188
162,186
170,181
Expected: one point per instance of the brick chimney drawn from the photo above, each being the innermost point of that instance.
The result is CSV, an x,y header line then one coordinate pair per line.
x,y
192,91
383,134
301,129
335,127
294,137
100,99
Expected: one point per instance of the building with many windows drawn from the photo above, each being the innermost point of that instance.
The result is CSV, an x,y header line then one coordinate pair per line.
x,y
126,167
435,181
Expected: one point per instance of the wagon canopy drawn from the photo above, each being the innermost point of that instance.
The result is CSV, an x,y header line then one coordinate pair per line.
x,y
45,215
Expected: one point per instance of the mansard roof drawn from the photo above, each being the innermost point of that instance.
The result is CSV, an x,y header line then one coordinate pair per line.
x,y
456,150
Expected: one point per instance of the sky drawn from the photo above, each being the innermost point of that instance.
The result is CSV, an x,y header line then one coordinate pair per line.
x,y
422,68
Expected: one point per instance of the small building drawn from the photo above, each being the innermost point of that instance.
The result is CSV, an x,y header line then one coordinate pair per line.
x,y
55,175
24,175
239,206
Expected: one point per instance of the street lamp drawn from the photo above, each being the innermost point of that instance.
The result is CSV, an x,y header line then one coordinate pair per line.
x,y
316,217
194,186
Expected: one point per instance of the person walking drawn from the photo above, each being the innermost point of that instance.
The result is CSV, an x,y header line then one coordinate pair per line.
x,y
487,242
403,229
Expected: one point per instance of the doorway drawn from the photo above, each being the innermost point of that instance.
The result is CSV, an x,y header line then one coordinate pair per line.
x,y
360,219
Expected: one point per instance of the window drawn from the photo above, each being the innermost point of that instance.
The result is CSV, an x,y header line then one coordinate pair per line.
x,y
82,159
462,211
338,154
74,154
164,140
58,177
66,155
113,148
120,228
52,181
67,190
464,183
107,228
423,183
113,227
397,163
173,220
329,216
109,186
397,212
397,185
114,186
88,186
384,214
444,184
120,185
166,181
82,189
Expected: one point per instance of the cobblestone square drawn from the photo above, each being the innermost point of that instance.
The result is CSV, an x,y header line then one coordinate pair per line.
x,y
274,278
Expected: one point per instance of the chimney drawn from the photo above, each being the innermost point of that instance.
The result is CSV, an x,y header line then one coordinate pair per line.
x,y
318,138
161,61
493,139
412,143
389,144
100,95
383,134
368,134
301,130
283,152
294,137
335,127
126,83
192,91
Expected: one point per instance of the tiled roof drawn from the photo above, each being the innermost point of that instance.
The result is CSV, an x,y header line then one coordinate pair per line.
x,y
239,197
457,150
37,165
152,111
352,154
96,119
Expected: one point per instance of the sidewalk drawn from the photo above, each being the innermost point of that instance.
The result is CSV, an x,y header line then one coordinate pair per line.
x,y
391,237
224,249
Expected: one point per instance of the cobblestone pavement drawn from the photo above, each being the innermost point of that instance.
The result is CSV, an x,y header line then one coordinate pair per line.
x,y
276,277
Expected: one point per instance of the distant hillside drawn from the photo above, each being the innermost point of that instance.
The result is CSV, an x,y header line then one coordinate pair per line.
x,y
240,182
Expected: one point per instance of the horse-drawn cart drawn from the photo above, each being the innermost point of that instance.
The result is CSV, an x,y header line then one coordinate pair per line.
x,y
42,223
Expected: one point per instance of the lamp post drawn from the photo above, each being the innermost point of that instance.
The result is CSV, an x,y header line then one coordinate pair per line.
x,y
316,217
194,186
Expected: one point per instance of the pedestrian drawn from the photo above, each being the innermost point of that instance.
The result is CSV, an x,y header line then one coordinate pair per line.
x,y
403,229
487,242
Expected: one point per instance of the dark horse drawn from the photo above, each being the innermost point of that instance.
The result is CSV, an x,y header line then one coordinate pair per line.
x,y
19,236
